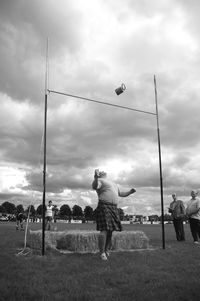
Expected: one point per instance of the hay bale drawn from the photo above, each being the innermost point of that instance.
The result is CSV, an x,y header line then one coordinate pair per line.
x,y
79,241
129,240
51,237
87,241
34,239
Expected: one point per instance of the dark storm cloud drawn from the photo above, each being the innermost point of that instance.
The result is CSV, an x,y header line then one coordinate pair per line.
x,y
181,121
21,134
59,180
24,28
9,196
142,176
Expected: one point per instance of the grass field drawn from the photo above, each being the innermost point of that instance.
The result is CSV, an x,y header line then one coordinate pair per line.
x,y
170,274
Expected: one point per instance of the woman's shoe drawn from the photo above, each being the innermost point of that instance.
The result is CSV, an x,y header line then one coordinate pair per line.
x,y
103,256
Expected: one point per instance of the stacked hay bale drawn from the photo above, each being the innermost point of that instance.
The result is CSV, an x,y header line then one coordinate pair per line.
x,y
51,238
79,241
87,241
129,240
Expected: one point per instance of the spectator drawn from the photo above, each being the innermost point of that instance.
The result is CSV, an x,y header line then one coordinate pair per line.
x,y
49,216
193,213
19,221
177,211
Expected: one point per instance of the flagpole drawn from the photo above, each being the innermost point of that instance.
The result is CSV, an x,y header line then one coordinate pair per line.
x,y
160,165
44,159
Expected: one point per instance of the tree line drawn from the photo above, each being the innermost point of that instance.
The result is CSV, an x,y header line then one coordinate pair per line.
x,y
65,212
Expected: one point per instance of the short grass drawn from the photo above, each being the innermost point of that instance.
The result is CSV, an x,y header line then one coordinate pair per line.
x,y
168,275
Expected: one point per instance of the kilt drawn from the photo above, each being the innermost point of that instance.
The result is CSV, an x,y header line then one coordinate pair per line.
x,y
107,217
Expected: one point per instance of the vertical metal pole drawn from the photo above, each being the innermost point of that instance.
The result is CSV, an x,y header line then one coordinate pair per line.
x,y
44,162
44,178
160,166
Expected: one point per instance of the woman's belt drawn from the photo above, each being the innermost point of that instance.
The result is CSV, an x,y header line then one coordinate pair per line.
x,y
107,203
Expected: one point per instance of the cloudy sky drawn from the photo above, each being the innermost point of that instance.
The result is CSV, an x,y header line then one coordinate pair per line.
x,y
93,47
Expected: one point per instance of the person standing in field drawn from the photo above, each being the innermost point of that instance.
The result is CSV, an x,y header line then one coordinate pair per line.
x,y
177,211
193,213
107,215
19,221
49,216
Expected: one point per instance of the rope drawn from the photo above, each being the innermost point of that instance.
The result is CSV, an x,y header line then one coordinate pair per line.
x,y
25,237
22,252
25,251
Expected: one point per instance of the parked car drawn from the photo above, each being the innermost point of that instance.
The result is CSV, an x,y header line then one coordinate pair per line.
x,y
3,218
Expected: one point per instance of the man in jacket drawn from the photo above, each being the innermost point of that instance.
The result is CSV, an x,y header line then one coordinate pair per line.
x,y
177,211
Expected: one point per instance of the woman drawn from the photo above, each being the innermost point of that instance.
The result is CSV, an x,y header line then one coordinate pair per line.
x,y
107,215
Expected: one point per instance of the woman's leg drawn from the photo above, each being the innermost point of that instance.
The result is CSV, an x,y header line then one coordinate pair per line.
x,y
102,241
108,241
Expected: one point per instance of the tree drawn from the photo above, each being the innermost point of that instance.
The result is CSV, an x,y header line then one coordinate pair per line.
x,y
20,208
94,215
88,212
121,214
9,207
153,218
39,210
126,217
32,210
65,211
2,209
77,211
167,217
55,210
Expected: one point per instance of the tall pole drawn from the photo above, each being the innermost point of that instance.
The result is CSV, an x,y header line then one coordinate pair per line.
x,y
160,166
44,159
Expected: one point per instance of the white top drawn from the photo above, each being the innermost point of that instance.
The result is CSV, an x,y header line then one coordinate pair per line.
x,y
107,191
193,208
49,211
